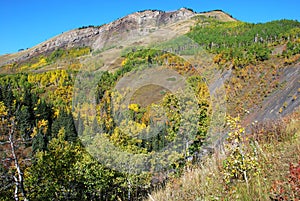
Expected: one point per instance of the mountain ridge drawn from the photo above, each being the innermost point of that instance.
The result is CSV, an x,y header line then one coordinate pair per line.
x,y
96,37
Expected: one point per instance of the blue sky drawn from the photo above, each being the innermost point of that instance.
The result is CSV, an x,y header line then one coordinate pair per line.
x,y
25,23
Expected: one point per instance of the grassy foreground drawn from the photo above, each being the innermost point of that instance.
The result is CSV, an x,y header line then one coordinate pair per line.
x,y
277,176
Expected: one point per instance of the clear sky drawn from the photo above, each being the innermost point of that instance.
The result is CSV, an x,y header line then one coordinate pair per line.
x,y
25,23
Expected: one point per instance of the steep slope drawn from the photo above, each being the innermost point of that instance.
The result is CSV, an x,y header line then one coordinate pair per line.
x,y
127,28
283,101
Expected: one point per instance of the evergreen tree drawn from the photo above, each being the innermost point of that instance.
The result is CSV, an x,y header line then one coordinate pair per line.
x,y
65,120
39,142
25,121
8,98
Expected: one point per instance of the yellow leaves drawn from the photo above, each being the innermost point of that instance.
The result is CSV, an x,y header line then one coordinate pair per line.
x,y
56,112
59,144
31,78
241,162
232,122
203,93
56,78
294,97
62,94
124,140
141,126
24,67
34,132
292,59
218,58
295,32
134,107
63,76
41,62
116,137
3,114
3,110
76,52
124,62
61,134
131,127
43,125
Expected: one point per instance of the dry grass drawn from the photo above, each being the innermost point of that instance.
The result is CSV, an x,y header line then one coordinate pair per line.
x,y
205,182
148,94
195,184
219,15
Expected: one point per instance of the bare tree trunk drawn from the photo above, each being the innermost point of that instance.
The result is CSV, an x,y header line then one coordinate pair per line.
x,y
151,197
129,190
16,189
20,179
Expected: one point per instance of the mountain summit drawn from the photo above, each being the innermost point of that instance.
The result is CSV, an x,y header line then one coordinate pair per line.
x,y
97,37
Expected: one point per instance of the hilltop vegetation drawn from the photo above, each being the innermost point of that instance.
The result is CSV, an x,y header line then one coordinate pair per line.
x,y
50,145
59,57
244,43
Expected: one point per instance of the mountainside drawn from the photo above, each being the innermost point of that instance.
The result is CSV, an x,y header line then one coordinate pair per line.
x,y
160,105
97,37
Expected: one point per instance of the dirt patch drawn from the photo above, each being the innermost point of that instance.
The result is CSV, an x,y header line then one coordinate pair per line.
x,y
279,49
149,82
148,94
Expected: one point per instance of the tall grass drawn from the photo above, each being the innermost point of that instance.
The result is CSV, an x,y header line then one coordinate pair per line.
x,y
277,144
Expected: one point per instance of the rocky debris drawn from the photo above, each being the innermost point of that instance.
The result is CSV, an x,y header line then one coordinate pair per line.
x,y
283,101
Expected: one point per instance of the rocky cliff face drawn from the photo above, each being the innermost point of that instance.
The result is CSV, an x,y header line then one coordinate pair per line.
x,y
138,24
133,25
74,38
